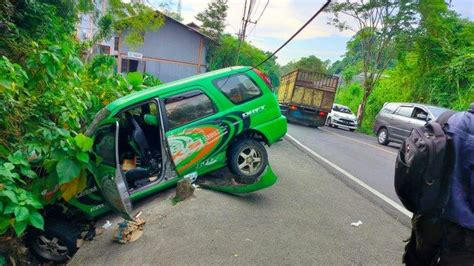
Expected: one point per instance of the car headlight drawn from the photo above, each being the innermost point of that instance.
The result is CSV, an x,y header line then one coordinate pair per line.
x,y
336,115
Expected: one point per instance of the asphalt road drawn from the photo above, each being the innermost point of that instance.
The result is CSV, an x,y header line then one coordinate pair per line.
x,y
356,153
304,219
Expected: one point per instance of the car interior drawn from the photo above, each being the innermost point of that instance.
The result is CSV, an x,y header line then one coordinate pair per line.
x,y
140,145
420,114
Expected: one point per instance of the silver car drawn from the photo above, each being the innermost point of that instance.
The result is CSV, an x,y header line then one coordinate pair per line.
x,y
396,120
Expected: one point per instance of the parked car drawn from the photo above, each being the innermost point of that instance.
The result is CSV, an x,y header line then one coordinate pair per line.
x,y
341,116
395,121
149,140
306,97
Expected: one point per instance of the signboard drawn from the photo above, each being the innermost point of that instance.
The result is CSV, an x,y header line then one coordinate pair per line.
x,y
135,55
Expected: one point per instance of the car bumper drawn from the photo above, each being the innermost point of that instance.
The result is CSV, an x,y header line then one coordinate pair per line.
x,y
274,130
342,124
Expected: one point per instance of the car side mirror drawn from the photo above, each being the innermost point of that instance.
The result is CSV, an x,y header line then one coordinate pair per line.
x,y
423,117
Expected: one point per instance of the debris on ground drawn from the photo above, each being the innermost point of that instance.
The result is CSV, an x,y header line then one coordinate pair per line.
x,y
356,224
129,231
107,225
184,190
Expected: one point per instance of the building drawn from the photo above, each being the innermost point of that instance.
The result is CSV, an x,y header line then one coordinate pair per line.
x,y
174,51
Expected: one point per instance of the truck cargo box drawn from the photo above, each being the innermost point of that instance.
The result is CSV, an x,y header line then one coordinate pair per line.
x,y
309,89
307,96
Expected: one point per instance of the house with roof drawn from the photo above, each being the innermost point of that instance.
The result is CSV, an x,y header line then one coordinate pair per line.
x,y
174,51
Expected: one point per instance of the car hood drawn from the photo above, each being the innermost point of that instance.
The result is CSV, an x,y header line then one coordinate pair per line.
x,y
344,115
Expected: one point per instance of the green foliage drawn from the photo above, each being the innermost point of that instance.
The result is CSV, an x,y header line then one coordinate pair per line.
x,y
225,55
47,96
134,19
435,67
213,18
310,63
378,25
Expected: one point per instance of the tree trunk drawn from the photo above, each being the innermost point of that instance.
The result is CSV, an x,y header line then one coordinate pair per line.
x,y
367,90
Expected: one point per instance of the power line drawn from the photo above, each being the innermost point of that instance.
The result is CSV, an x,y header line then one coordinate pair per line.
x,y
256,21
295,34
245,21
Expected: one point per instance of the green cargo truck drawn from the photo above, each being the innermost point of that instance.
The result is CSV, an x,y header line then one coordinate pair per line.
x,y
307,97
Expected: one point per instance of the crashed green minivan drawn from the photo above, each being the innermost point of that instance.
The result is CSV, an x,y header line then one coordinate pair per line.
x,y
149,140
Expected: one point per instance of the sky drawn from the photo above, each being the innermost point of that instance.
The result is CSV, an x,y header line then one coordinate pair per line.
x,y
283,17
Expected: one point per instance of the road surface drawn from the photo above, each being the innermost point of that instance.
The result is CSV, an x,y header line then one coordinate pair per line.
x,y
356,153
304,219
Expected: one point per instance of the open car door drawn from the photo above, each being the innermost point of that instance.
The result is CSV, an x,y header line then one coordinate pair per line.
x,y
109,174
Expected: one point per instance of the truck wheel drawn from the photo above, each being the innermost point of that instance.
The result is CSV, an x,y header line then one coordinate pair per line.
x,y
56,243
382,136
247,160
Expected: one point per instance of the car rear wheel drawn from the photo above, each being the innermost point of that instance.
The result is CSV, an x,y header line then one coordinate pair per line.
x,y
382,136
247,160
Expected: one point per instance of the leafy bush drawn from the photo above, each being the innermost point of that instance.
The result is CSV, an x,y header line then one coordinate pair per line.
x,y
43,109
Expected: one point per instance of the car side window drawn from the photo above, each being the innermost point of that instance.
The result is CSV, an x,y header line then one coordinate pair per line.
x,y
420,114
238,88
187,107
404,111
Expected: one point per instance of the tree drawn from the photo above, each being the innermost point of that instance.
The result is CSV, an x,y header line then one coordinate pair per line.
x,y
224,56
213,18
165,7
377,24
309,63
133,18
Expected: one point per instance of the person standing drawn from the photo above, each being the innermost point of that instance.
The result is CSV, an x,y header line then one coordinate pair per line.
x,y
457,242
446,236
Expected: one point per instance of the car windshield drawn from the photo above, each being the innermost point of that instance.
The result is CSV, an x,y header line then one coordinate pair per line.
x,y
342,109
436,111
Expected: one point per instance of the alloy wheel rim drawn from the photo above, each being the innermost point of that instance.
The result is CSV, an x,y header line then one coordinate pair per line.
x,y
249,161
382,136
51,247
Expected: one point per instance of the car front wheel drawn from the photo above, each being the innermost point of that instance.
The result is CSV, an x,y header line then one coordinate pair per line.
x,y
247,160
382,136
328,122
56,243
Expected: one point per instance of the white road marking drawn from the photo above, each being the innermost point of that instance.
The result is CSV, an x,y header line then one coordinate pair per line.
x,y
362,142
353,178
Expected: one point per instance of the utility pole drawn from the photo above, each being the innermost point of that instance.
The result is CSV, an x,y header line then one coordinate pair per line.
x,y
243,28
246,20
179,7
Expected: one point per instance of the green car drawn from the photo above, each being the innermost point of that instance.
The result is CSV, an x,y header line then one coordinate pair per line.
x,y
190,128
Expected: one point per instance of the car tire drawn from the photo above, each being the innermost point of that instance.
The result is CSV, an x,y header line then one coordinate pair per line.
x,y
247,160
57,243
382,136
328,122
351,129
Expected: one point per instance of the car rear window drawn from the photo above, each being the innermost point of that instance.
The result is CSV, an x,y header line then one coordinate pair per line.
x,y
389,108
238,88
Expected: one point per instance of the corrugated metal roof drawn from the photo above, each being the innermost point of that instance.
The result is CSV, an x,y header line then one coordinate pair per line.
x,y
186,26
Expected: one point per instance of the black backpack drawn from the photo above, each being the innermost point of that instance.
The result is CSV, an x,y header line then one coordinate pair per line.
x,y
422,167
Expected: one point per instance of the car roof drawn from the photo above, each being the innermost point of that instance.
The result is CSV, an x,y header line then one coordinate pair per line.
x,y
340,105
414,104
171,86
426,106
